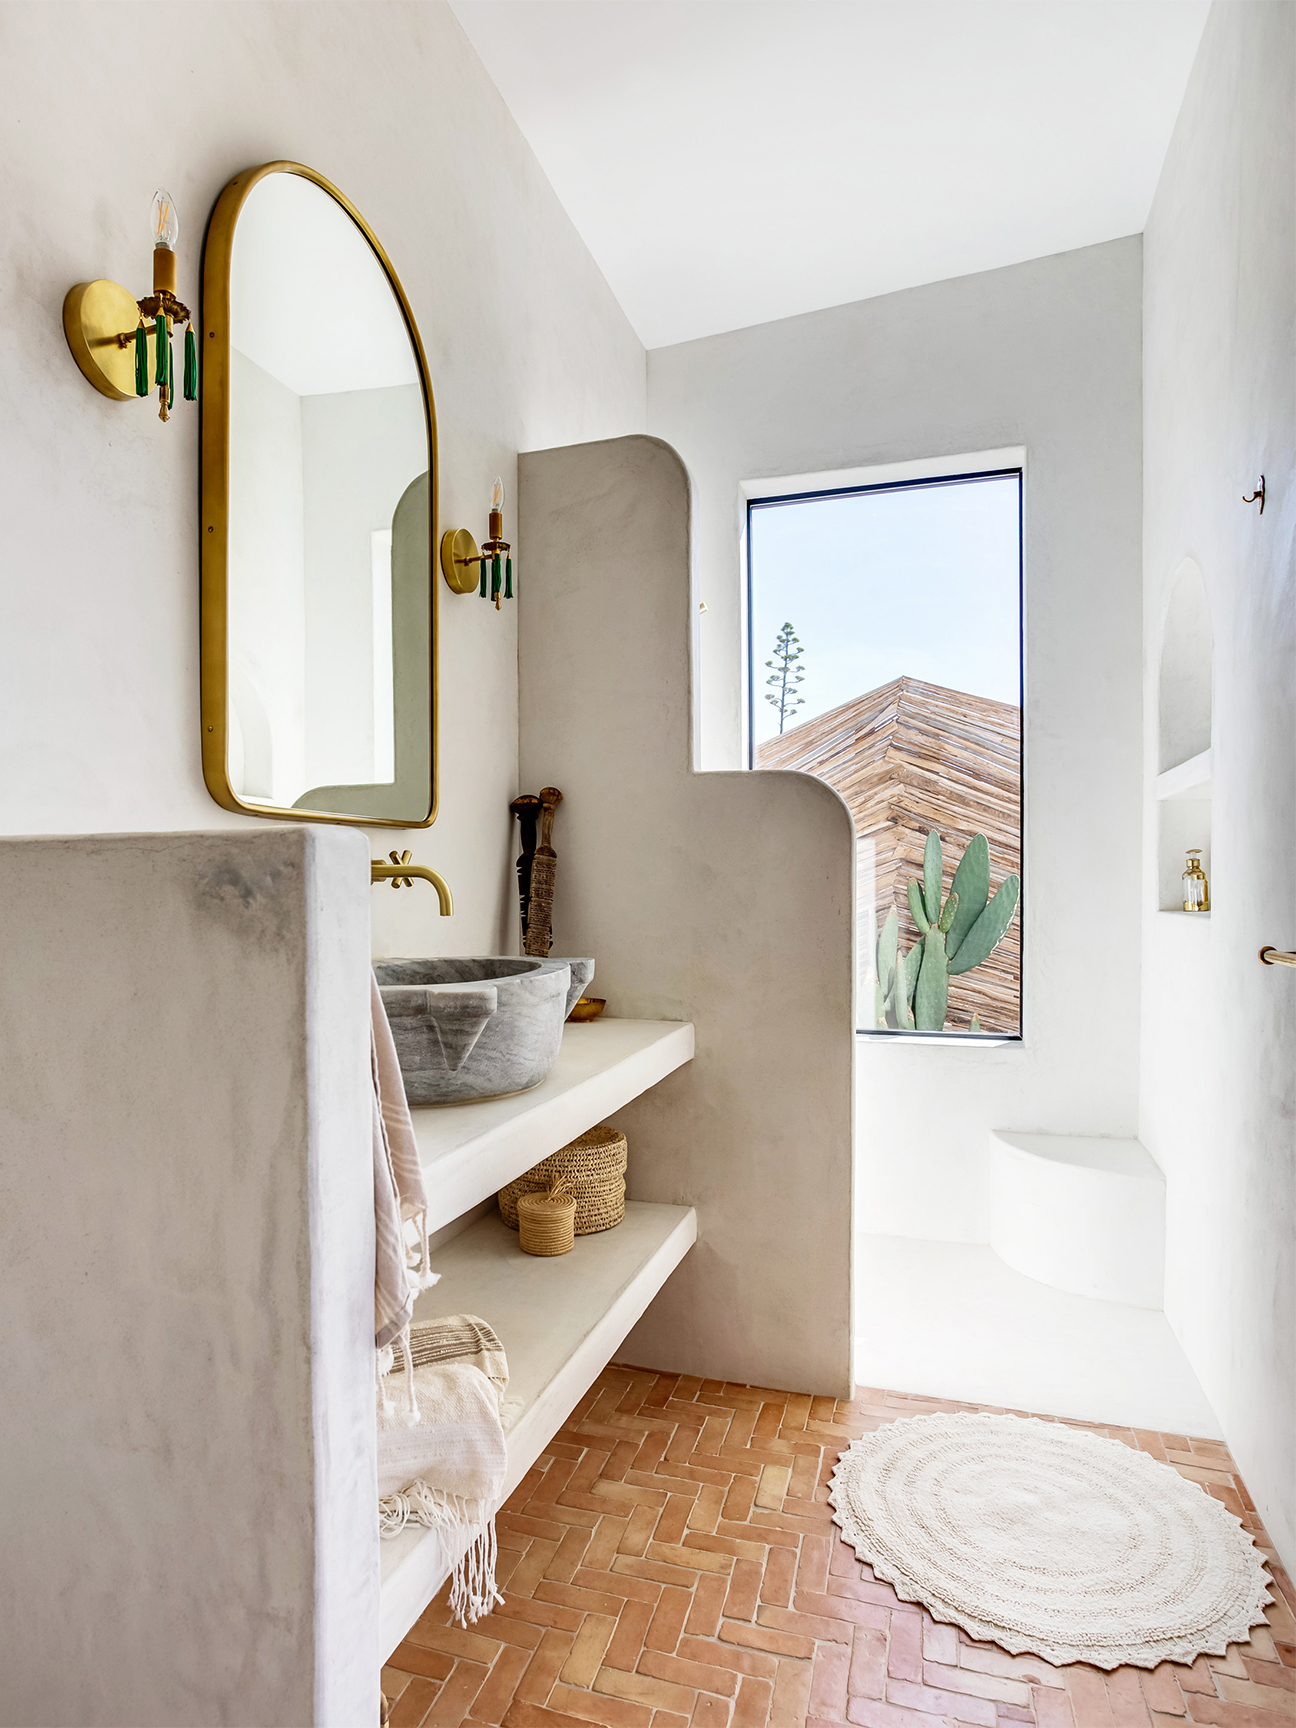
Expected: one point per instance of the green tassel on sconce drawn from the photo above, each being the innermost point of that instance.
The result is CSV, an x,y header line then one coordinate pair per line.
x,y
495,577
170,371
508,578
484,590
191,366
141,361
160,347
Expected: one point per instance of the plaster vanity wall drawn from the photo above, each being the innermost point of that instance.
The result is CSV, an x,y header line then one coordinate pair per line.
x,y
1045,356
187,1440
726,899
98,500
1218,1068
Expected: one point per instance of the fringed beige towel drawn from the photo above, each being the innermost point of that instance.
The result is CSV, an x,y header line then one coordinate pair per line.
x,y
447,1471
399,1197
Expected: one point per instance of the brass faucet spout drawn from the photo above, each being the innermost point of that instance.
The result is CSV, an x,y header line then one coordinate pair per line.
x,y
401,873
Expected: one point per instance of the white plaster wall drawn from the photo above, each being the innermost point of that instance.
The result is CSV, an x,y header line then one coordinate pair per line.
x,y
98,500
1044,355
1218,1066
186,1269
725,899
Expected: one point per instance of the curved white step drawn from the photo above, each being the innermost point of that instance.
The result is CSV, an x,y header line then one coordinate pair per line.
x,y
1081,1213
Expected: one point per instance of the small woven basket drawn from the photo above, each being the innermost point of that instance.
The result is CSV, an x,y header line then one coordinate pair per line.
x,y
546,1222
593,1170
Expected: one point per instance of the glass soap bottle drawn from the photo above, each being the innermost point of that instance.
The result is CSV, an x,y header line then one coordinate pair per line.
x,y
1196,889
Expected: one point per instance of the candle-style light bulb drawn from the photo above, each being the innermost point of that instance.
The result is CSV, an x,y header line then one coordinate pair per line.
x,y
166,224
497,495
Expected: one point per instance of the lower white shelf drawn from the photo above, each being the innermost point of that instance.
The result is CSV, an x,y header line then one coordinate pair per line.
x,y
560,1321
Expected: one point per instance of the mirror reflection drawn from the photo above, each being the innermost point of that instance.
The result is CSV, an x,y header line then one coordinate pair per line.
x,y
328,583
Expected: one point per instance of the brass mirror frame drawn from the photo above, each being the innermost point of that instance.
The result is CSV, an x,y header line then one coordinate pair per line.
x,y
214,327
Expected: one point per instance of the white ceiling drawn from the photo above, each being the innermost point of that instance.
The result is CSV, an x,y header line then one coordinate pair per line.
x,y
733,161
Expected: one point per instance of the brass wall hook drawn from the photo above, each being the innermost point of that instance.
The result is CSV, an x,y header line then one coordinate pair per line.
x,y
401,873
1256,497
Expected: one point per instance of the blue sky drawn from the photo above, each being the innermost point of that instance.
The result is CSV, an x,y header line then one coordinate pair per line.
x,y
922,581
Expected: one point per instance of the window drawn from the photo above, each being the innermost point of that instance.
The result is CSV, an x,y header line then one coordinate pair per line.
x,y
885,655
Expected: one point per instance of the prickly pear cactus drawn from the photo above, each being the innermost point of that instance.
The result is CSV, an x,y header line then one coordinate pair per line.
x,y
911,991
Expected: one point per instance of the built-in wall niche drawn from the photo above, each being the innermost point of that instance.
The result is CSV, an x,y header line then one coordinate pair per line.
x,y
1183,782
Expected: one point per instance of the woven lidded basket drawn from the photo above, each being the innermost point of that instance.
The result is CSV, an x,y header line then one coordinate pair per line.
x,y
545,1222
593,1167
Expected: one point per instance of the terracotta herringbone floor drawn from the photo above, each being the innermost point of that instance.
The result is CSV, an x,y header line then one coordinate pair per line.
x,y
671,1561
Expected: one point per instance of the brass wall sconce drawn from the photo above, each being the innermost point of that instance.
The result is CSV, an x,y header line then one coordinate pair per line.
x,y
461,557
107,329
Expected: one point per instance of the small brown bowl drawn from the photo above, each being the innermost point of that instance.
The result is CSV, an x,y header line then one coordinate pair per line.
x,y
588,1008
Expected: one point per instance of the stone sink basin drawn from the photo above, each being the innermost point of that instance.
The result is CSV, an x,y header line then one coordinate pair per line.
x,y
479,1027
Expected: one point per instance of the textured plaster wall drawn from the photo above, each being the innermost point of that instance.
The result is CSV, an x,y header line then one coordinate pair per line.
x,y
1044,355
98,500
187,1443
1218,1095
689,889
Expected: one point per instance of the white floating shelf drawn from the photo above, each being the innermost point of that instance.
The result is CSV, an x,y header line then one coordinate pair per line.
x,y
1190,779
561,1321
470,1151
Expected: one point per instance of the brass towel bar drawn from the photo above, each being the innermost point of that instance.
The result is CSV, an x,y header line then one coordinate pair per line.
x,y
1275,957
401,873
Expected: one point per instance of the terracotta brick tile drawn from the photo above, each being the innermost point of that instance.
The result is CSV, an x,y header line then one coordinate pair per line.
x,y
707,1506
773,1485
769,1421
507,1631
522,1715
550,1486
702,1676
623,1455
1198,1678
456,1695
708,1605
940,1643
714,1435
752,1705
583,1600
1125,1696
710,1712
413,1658
531,1568
1280,1621
766,1638
662,1392
740,1429
764,1533
452,1641
669,1719
867,1675
655,1571
1089,1698
805,1477
665,1479
806,1625
525,1488
842,1562
624,1496
588,1650
570,1553
1257,1697
736,1547
627,1640
812,1567
693,1555
777,1577
828,1681
393,1683
1229,1663
990,1659
904,1648
1269,1674
543,1669
538,1613
673,1522
995,1687
1052,1707
1010,1713
415,1701
935,1702
796,1412
744,1590
639,1530
739,1498
643,1689
668,1619
791,1695
544,1529
599,1707
624,1584
1286,1652
717,1655
870,1713
497,1691
1228,1496
652,1449
1227,1714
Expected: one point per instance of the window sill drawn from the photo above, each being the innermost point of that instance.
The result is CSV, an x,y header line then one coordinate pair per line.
x,y
982,1040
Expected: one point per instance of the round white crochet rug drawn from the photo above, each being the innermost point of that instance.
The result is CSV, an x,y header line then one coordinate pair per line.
x,y
1048,1540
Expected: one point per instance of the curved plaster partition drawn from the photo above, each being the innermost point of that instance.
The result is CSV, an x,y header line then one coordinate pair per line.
x,y
724,899
1081,1213
1184,687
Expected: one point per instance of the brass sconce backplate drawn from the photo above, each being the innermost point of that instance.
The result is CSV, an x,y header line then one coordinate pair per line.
x,y
460,560
95,317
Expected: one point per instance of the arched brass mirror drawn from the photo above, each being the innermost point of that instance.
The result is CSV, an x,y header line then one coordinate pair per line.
x,y
319,502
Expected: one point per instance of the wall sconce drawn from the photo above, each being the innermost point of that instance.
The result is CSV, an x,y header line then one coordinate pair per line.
x,y
461,557
103,323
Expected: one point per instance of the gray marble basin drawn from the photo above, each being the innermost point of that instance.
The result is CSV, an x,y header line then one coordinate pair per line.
x,y
478,1027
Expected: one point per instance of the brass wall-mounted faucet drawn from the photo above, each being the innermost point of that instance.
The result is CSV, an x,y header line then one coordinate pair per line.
x,y
401,873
